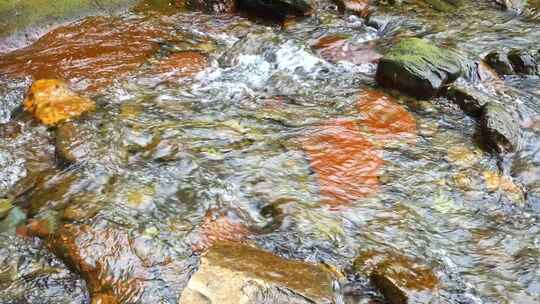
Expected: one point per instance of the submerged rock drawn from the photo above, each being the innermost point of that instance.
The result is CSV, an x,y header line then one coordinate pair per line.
x,y
384,118
91,53
119,266
31,274
418,68
335,48
399,278
501,127
346,164
278,8
232,273
72,143
220,226
52,101
181,64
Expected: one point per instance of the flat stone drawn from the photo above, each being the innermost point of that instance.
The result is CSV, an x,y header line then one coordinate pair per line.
x,y
232,273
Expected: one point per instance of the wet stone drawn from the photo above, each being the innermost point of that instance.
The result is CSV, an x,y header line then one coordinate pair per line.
x,y
118,265
346,163
51,101
212,6
220,226
90,53
335,48
278,8
523,62
31,274
232,273
11,94
501,128
469,99
499,62
417,68
402,280
384,117
72,143
181,64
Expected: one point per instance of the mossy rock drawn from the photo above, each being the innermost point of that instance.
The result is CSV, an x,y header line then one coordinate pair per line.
x,y
418,68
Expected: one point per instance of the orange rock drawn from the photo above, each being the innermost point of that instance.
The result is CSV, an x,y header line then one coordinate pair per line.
x,y
92,52
346,163
118,267
218,226
52,101
384,117
182,64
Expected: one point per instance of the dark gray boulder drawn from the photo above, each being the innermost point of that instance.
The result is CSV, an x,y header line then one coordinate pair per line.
x,y
277,8
469,99
418,68
500,127
499,62
523,62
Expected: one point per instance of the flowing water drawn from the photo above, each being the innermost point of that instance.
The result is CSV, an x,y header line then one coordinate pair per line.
x,y
226,127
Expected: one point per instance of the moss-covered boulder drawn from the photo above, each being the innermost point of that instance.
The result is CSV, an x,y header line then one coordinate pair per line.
x,y
418,68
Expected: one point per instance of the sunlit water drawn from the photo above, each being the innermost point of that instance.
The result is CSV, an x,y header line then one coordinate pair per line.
x,y
274,137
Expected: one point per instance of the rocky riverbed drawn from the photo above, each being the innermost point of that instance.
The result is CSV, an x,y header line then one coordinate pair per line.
x,y
269,151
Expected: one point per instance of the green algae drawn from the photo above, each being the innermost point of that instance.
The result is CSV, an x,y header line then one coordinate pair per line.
x,y
418,68
416,52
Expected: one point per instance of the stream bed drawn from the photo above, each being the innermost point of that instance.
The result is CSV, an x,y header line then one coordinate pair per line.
x,y
239,129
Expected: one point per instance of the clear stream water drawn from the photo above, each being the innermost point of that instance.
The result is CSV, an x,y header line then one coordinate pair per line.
x,y
300,152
